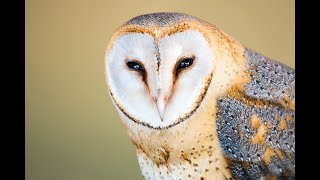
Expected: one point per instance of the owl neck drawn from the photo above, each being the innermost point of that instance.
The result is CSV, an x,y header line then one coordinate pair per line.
x,y
189,149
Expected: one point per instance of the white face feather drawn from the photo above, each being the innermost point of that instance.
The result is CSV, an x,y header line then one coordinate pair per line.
x,y
163,97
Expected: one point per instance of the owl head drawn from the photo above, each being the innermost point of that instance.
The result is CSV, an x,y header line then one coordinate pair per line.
x,y
160,66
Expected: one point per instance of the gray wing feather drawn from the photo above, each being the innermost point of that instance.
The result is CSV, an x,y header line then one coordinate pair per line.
x,y
271,83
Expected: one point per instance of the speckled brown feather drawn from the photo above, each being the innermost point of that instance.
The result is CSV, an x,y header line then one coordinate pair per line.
x,y
255,123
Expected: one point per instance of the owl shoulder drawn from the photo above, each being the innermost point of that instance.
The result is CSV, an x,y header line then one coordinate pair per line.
x,y
256,125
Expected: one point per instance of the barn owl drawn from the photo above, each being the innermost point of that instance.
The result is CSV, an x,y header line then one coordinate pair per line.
x,y
197,104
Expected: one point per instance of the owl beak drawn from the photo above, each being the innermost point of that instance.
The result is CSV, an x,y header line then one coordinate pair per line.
x,y
161,104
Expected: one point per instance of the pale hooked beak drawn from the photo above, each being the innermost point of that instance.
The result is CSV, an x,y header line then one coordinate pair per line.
x,y
161,104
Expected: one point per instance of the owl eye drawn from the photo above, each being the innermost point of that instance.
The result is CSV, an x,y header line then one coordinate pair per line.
x,y
185,63
134,65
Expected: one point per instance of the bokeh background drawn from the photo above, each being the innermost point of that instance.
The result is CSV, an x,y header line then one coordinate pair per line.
x,y
72,130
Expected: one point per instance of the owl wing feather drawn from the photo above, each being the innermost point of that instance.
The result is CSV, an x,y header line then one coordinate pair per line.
x,y
256,125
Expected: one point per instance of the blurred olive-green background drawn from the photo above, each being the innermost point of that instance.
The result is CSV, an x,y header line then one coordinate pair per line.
x,y
72,130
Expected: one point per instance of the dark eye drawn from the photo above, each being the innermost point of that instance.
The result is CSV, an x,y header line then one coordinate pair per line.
x,y
184,63
135,66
